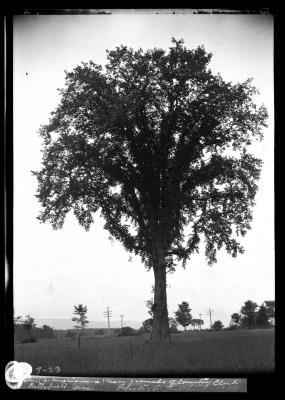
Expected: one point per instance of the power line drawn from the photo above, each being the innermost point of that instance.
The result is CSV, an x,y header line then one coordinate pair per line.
x,y
108,314
200,321
210,312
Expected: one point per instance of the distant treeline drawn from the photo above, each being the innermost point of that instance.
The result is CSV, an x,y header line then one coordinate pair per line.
x,y
61,333
45,332
251,316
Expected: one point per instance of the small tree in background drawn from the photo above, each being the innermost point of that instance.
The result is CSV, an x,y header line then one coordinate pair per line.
x,y
217,325
197,322
47,332
235,319
29,324
262,318
17,320
183,315
248,312
270,309
194,323
200,322
19,331
80,312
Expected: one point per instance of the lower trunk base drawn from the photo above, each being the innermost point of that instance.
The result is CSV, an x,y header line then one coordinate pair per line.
x,y
160,325
160,335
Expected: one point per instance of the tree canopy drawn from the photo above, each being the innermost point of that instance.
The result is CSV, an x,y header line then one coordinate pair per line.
x,y
197,322
28,323
217,325
235,318
248,311
183,314
270,309
262,318
157,143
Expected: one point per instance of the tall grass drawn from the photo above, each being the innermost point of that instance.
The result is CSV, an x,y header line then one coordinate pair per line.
x,y
187,354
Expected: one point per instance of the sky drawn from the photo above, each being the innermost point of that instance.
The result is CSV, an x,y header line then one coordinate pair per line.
x,y
55,270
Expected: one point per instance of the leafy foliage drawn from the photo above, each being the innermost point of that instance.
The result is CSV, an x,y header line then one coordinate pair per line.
x,y
29,323
147,325
183,315
150,306
80,318
235,319
197,322
47,332
127,331
262,318
248,312
270,310
17,320
22,334
217,325
157,143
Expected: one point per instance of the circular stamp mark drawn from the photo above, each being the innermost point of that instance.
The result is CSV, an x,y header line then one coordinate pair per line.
x,y
16,372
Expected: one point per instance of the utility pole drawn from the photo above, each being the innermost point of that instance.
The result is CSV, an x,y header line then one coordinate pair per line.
x,y
108,315
200,322
210,312
255,315
121,320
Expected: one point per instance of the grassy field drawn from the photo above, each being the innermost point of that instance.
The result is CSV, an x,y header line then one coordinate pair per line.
x,y
189,353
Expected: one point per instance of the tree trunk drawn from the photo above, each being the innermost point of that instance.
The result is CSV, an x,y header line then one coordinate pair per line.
x,y
160,327
79,338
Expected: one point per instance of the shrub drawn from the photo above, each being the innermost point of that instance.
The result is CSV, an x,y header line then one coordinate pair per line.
x,y
29,340
127,331
70,335
46,332
99,332
231,328
217,326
